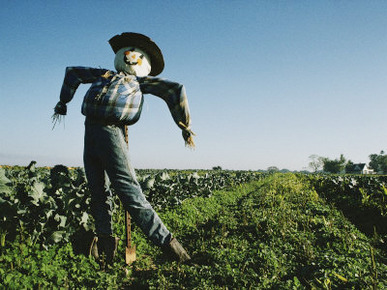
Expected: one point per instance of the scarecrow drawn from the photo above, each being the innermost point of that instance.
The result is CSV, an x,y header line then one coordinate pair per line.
x,y
114,101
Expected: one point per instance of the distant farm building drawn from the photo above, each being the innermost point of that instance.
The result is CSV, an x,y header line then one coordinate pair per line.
x,y
359,168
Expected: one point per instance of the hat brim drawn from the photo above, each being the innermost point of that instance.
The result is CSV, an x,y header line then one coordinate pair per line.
x,y
142,42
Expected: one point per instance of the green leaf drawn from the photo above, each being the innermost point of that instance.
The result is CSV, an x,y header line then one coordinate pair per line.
x,y
37,193
57,236
4,201
61,219
5,183
84,220
148,183
49,213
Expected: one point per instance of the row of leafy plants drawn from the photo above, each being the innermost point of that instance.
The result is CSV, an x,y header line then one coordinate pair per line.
x,y
278,232
52,205
362,198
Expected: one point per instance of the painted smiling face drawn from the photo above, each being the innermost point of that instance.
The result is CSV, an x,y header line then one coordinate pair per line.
x,y
133,61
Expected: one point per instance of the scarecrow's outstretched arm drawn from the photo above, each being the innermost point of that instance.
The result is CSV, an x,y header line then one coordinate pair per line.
x,y
74,76
175,96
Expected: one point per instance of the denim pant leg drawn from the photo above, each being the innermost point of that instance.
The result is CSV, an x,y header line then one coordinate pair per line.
x,y
101,196
113,152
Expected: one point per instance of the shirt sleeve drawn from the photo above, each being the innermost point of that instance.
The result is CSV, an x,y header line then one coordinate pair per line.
x,y
173,94
75,76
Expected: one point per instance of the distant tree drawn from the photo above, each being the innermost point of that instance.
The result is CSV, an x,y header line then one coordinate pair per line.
x,y
316,162
217,168
334,166
272,169
349,167
378,162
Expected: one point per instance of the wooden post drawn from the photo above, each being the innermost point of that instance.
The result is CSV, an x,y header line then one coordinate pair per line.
x,y
130,253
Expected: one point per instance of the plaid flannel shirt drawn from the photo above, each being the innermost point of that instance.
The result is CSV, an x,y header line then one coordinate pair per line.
x,y
108,82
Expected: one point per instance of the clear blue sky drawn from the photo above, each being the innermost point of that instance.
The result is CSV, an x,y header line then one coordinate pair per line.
x,y
269,82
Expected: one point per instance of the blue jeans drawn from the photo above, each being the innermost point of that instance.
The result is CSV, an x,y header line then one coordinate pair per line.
x,y
106,159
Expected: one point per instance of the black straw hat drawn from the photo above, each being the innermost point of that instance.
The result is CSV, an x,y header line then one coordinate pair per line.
x,y
142,42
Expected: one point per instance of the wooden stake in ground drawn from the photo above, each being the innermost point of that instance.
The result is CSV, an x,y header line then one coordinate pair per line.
x,y
130,253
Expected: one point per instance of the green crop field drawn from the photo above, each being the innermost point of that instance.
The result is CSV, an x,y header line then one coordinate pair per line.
x,y
243,229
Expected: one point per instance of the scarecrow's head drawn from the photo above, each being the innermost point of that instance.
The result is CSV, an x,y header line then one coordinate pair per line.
x,y
136,54
133,61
